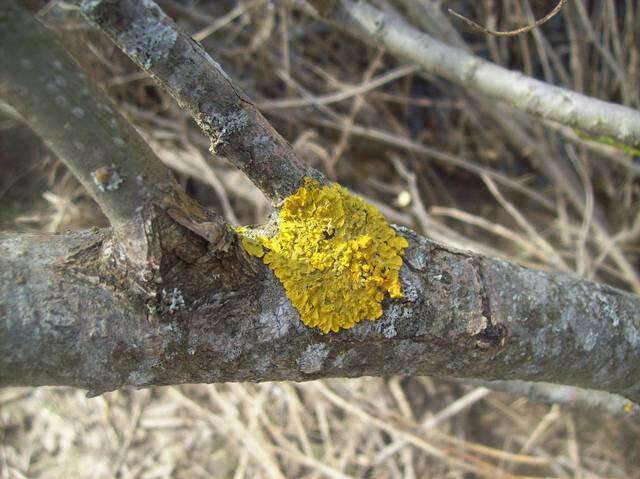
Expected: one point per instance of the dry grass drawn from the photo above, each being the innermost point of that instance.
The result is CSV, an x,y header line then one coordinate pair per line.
x,y
365,427
429,157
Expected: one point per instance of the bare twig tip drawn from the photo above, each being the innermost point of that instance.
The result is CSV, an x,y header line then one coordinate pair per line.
x,y
509,33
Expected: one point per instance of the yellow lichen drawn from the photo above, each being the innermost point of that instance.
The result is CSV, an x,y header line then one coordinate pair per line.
x,y
335,255
249,242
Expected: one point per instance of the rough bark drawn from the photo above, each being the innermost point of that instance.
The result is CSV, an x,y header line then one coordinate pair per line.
x,y
67,322
361,19
236,128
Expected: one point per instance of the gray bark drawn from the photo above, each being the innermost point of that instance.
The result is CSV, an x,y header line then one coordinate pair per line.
x,y
66,322
361,19
236,128
76,119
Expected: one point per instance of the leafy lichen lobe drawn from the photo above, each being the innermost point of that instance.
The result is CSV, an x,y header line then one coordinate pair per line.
x,y
335,255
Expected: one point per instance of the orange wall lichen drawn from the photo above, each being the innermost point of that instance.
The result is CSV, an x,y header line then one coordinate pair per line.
x,y
335,255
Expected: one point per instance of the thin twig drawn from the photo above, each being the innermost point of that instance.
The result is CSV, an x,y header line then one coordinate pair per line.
x,y
583,399
345,94
510,33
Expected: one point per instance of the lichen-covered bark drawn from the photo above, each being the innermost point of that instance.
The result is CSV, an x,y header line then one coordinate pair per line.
x,y
462,316
237,130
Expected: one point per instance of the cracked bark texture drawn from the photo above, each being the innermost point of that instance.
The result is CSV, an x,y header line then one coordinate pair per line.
x,y
462,315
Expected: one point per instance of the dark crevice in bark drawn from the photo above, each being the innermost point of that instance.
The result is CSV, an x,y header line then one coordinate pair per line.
x,y
493,335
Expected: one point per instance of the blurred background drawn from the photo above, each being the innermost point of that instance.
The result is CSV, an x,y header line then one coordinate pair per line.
x,y
442,160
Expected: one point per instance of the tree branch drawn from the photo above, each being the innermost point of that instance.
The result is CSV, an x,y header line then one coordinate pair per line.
x,y
532,96
236,128
77,120
463,316
570,396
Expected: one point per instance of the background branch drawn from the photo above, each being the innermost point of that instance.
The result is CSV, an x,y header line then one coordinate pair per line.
x,y
525,93
77,120
583,399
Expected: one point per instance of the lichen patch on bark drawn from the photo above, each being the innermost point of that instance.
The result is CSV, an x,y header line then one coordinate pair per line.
x,y
336,256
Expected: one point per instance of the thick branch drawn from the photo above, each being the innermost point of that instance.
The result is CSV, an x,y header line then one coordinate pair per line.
x,y
235,127
462,316
361,19
76,119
